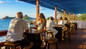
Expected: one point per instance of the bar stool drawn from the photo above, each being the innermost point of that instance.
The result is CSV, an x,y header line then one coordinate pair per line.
x,y
73,28
11,45
51,34
66,32
52,41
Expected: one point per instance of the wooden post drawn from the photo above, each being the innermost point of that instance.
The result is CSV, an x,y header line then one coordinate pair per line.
x,y
55,13
69,16
75,17
37,9
64,14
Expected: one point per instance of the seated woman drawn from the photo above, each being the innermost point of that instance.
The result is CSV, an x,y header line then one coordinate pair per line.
x,y
41,26
41,22
60,22
66,20
49,25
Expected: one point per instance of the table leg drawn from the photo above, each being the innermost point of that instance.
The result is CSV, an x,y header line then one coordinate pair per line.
x,y
48,46
56,45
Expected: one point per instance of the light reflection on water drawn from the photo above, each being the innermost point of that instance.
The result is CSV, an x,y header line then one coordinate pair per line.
x,y
2,39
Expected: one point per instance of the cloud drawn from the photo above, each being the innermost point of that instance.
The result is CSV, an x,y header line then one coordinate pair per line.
x,y
8,1
16,0
11,1
1,2
5,1
42,9
21,2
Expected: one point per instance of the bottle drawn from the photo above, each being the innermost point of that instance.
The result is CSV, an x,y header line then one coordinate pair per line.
x,y
29,25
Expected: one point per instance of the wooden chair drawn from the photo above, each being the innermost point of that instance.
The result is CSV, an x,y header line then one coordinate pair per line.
x,y
52,41
73,28
11,45
66,32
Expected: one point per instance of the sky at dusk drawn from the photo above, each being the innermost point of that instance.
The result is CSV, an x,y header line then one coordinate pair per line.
x,y
10,7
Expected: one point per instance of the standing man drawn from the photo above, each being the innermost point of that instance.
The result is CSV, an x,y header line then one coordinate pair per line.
x,y
16,29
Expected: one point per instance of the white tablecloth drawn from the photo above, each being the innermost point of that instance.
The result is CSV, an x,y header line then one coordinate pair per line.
x,y
81,24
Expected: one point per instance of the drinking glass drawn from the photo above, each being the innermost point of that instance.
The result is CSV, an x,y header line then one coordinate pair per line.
x,y
29,25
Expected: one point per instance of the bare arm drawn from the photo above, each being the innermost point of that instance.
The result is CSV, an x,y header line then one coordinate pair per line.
x,y
45,25
35,25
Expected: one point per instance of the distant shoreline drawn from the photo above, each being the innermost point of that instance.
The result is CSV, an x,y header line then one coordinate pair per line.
x,y
25,17
7,17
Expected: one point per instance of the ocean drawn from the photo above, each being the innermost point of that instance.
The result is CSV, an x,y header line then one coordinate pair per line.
x,y
4,25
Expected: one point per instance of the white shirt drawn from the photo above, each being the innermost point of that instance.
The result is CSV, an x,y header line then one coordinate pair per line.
x,y
65,21
41,26
49,26
16,29
60,22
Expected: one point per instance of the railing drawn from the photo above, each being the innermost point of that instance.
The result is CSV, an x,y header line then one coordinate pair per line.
x,y
4,32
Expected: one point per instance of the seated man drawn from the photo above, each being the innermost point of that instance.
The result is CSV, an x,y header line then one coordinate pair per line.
x,y
16,29
49,25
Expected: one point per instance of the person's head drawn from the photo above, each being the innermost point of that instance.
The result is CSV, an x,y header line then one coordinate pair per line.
x,y
60,18
51,18
66,18
41,16
19,15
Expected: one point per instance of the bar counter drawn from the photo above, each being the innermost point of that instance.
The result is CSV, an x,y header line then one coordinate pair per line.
x,y
59,34
34,36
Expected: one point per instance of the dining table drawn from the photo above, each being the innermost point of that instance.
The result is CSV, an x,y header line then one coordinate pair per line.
x,y
59,34
34,36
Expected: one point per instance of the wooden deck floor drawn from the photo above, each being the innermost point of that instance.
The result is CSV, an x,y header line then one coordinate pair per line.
x,y
78,41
